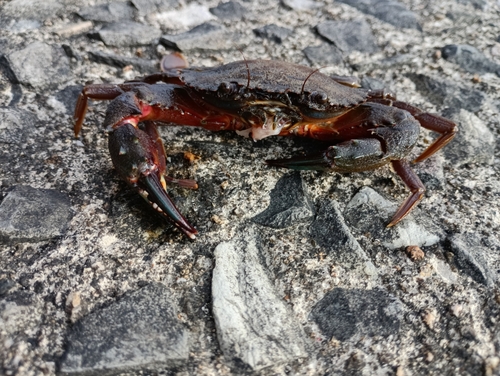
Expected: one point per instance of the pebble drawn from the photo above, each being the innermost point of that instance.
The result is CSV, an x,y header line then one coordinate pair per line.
x,y
139,329
470,59
290,204
348,36
209,36
230,11
31,215
135,34
369,212
324,54
390,11
111,12
49,68
273,32
448,94
350,314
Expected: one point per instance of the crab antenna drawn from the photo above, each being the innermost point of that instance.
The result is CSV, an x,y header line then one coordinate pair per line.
x,y
310,74
248,68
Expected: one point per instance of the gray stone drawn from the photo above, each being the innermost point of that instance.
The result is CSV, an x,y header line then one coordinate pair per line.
x,y
290,204
349,36
390,11
209,36
478,4
133,34
140,330
369,212
23,15
469,59
230,11
350,314
32,215
145,7
474,142
324,54
330,231
273,32
68,97
471,257
301,5
255,327
16,125
447,93
39,65
372,83
142,65
111,12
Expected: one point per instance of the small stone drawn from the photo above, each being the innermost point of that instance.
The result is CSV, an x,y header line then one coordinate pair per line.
x,y
346,313
469,59
38,65
183,18
32,215
390,11
206,37
429,317
230,11
69,96
448,94
290,204
301,5
415,253
471,258
330,231
145,7
28,14
349,36
324,54
111,12
140,329
254,325
474,142
142,65
478,4
273,32
369,212
134,34
16,125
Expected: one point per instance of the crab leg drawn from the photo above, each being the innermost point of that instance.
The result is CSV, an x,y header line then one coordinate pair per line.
x,y
433,122
414,184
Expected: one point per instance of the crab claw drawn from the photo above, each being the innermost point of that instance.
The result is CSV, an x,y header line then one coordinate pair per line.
x,y
139,159
352,155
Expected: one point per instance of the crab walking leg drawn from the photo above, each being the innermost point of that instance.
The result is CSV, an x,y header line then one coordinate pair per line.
x,y
414,184
139,160
100,92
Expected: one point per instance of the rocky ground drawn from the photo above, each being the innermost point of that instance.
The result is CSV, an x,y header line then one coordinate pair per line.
x,y
292,273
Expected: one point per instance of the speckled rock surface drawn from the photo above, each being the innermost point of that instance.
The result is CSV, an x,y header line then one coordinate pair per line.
x,y
300,263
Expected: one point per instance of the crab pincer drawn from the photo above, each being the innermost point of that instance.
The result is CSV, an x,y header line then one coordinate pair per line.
x,y
140,160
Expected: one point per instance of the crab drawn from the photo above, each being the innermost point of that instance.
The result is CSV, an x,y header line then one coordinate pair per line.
x,y
366,129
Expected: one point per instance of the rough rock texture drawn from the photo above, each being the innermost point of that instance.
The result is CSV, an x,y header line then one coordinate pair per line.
x,y
301,261
254,326
139,331
31,215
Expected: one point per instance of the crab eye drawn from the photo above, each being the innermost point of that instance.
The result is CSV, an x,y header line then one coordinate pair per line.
x,y
319,97
227,88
